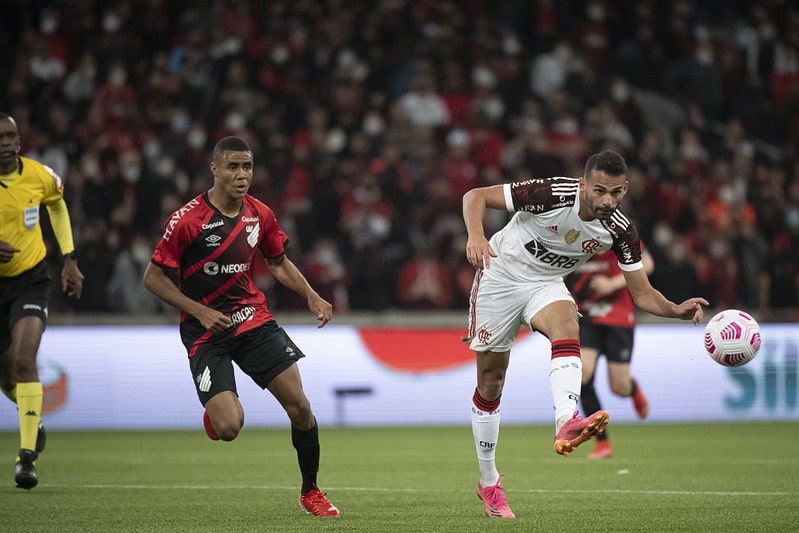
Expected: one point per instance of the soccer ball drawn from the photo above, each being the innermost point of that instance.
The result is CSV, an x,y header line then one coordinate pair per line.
x,y
732,338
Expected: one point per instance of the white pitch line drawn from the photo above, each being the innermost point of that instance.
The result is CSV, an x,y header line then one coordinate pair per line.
x,y
427,490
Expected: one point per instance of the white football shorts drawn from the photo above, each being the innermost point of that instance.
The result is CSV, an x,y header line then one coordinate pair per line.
x,y
501,304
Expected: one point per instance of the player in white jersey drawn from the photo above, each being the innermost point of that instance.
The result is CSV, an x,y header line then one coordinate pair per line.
x,y
559,223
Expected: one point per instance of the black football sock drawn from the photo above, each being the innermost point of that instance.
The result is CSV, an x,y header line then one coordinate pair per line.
x,y
591,404
633,388
307,445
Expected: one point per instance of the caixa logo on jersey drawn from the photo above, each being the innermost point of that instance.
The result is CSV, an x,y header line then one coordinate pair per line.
x,y
212,269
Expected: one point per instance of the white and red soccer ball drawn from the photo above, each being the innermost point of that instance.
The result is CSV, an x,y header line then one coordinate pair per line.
x,y
732,338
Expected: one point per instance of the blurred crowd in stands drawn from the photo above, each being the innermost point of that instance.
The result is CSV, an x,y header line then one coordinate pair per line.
x,y
369,119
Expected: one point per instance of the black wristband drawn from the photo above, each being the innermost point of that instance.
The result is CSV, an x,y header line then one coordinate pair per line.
x,y
71,255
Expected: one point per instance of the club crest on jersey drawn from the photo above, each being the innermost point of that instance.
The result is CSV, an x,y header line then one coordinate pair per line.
x,y
31,216
590,246
254,232
571,236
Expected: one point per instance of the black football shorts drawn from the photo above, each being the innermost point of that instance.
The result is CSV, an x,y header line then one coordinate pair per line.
x,y
261,353
614,342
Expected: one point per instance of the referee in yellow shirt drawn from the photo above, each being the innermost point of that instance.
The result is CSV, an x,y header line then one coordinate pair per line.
x,y
26,185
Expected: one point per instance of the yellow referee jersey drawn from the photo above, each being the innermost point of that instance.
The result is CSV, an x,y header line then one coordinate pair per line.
x,y
22,194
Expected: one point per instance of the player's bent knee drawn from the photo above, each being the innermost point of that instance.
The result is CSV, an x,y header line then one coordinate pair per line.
x,y
301,415
227,432
25,369
490,391
622,391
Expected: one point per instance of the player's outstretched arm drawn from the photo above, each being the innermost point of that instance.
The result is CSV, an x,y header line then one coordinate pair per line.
x,y
71,277
287,273
475,203
157,282
692,309
649,299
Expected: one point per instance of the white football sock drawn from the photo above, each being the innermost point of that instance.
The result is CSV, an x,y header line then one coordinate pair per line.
x,y
565,376
485,429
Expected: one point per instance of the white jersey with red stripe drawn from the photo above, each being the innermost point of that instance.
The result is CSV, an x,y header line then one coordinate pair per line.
x,y
546,239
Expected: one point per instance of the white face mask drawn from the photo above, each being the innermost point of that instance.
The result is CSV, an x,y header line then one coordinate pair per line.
x,y
532,125
596,12
727,194
235,121
140,252
511,44
373,124
718,249
704,56
662,235
152,149
279,55
620,91
165,167
48,24
196,138
118,77
327,256
567,126
792,218
179,123
90,168
131,173
111,22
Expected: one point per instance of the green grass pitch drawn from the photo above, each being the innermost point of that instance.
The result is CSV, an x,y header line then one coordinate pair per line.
x,y
724,477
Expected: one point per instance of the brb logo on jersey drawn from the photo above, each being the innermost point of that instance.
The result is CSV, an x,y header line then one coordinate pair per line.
x,y
541,253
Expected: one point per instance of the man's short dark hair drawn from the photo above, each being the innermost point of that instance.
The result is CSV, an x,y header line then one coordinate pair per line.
x,y
234,144
607,161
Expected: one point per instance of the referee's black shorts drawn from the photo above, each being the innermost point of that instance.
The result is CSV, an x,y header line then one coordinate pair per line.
x,y
25,295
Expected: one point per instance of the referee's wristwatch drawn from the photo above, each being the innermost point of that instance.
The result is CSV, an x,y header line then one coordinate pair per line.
x,y
71,255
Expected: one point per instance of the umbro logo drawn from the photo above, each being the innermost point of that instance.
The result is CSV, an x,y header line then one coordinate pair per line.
x,y
213,240
31,413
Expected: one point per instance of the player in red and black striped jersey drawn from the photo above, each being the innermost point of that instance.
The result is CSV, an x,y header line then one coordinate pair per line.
x,y
209,248
215,255
607,327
